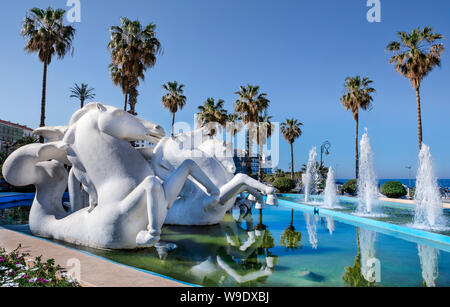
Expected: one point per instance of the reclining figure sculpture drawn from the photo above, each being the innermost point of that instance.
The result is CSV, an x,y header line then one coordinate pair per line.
x,y
129,199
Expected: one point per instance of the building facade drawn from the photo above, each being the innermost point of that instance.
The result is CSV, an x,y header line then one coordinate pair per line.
x,y
240,160
12,132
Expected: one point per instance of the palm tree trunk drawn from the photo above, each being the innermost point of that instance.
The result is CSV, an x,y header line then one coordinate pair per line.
x,y
126,102
44,89
81,103
173,122
292,161
356,147
260,148
249,154
419,117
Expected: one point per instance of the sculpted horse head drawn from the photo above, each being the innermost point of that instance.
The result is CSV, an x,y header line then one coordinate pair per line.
x,y
98,139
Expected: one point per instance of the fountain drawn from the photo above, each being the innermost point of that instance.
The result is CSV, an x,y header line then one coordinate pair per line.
x,y
330,195
429,211
429,262
311,177
367,181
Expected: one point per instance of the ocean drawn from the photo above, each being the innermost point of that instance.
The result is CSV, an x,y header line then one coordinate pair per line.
x,y
443,183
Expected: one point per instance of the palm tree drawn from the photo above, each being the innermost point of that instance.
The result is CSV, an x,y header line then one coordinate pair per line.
x,y
46,35
358,95
212,112
291,131
83,93
264,132
174,98
250,106
133,50
119,78
414,57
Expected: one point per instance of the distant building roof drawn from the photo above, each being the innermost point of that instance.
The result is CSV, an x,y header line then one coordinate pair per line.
x,y
15,125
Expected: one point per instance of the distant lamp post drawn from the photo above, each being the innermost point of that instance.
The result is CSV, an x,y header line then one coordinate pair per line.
x,y
409,179
324,148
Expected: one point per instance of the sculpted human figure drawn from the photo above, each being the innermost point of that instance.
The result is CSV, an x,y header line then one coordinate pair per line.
x,y
213,158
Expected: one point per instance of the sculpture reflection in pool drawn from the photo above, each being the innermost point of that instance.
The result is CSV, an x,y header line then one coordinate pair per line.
x,y
117,198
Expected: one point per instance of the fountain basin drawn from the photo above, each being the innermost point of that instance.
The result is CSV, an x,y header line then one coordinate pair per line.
x,y
239,252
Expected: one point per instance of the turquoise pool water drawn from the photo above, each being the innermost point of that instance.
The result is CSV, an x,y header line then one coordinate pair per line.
x,y
395,213
267,250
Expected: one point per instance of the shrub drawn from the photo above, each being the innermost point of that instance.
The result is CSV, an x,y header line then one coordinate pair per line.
x,y
17,271
284,184
393,189
350,187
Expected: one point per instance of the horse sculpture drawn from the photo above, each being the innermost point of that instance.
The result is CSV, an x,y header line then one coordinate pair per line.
x,y
118,199
132,201
213,157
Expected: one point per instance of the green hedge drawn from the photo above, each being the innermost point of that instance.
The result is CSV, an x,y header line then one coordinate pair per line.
x,y
350,187
393,189
284,184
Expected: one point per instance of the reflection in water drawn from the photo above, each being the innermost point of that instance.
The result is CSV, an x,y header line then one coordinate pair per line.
x,y
429,263
238,260
353,276
369,264
330,225
290,238
311,226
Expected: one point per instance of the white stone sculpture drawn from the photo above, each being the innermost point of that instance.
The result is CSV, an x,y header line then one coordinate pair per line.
x,y
193,206
116,199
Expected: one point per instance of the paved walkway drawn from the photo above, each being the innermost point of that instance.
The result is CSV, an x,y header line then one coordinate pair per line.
x,y
95,272
406,201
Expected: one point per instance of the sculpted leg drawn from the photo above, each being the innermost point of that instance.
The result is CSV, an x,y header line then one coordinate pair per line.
x,y
156,210
175,182
76,201
242,182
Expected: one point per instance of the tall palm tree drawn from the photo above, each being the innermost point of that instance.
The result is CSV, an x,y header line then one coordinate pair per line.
x,y
250,106
414,56
119,78
358,95
174,98
133,49
264,132
291,131
46,35
82,93
212,112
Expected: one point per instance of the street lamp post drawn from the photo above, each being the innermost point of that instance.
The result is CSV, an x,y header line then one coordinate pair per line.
x,y
324,147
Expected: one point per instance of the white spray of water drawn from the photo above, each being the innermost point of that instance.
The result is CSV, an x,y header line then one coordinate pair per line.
x,y
367,180
330,225
330,194
367,240
311,226
429,211
311,178
429,262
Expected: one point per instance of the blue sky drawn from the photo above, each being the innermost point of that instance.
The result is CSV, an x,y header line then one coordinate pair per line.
x,y
299,52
